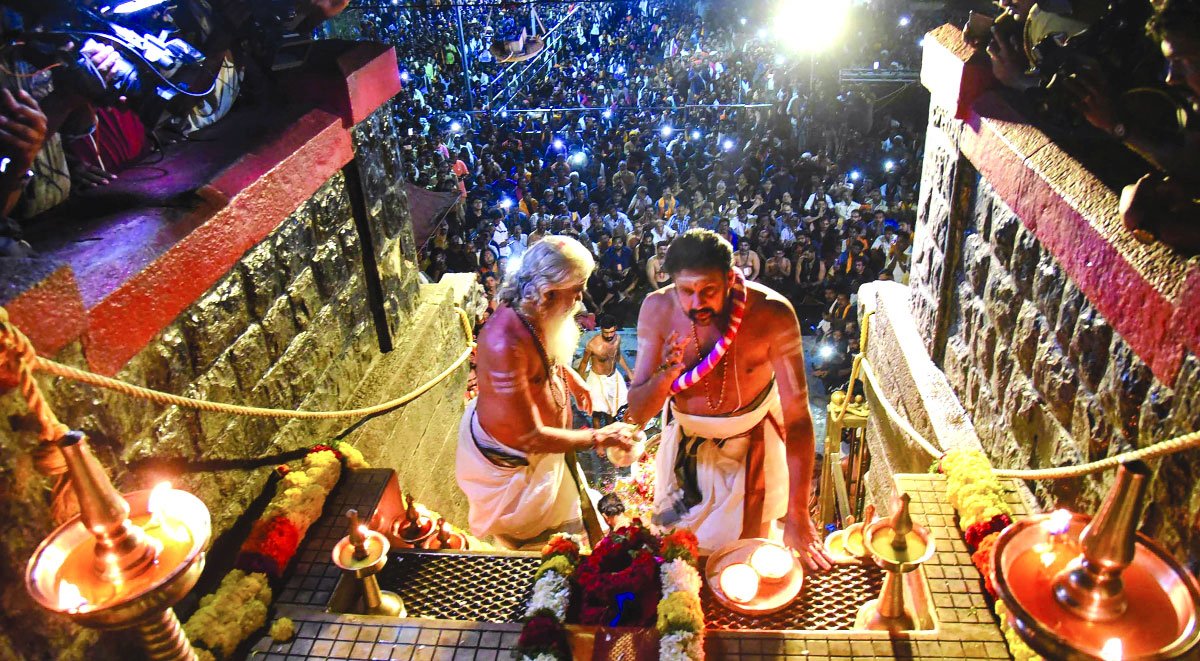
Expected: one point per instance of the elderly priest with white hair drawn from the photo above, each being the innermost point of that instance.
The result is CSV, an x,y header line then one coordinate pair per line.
x,y
516,450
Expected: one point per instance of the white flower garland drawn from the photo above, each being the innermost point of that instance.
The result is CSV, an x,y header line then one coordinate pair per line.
x,y
681,646
679,576
552,593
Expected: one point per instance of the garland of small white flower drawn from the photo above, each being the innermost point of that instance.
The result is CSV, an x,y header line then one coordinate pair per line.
x,y
681,578
551,595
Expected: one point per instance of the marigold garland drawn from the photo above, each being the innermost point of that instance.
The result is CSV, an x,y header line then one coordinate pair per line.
x,y
972,488
240,604
226,617
975,492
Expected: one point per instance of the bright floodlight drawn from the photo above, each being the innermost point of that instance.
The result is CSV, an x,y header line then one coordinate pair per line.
x,y
826,351
135,6
779,60
921,42
695,135
728,144
607,114
762,33
503,114
505,204
579,158
455,127
811,25
743,20
620,69
666,131
888,165
904,21
404,76
855,175
558,144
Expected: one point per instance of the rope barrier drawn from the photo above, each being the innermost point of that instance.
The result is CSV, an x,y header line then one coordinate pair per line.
x,y
892,413
29,357
1169,446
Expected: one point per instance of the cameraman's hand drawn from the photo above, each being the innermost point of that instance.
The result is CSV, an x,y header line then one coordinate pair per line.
x,y
620,435
22,129
1092,97
104,57
1008,61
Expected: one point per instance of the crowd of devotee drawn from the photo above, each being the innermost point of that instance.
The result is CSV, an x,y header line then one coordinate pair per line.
x,y
688,126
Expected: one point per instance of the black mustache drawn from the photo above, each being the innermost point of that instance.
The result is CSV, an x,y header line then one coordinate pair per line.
x,y
694,314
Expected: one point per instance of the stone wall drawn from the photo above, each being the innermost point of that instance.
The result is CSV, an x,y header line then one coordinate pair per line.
x,y
293,324
1044,346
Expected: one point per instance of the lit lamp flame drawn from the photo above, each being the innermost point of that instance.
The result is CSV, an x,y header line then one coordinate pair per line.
x,y
1060,522
1113,650
739,582
70,599
157,503
771,562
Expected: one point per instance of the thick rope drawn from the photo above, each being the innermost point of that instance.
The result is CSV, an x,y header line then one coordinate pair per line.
x,y
18,358
863,366
90,378
1169,446
892,413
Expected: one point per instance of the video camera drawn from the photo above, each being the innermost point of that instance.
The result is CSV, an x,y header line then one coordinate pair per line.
x,y
143,32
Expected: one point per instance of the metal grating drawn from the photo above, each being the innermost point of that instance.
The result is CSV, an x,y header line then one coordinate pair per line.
x,y
453,586
828,601
495,588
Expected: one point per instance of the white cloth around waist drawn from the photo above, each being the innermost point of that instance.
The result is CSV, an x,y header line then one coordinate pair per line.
x,y
609,393
519,502
721,469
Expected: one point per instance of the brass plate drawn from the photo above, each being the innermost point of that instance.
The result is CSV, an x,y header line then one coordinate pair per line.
x,y
772,596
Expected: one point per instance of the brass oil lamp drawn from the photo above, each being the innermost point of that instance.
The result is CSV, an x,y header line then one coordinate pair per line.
x,y
360,555
1092,588
898,546
123,561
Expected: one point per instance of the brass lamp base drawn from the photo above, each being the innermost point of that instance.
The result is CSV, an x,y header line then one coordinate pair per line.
x,y
870,619
390,604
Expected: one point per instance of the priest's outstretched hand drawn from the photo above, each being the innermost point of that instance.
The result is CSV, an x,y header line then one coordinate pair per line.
x,y
804,538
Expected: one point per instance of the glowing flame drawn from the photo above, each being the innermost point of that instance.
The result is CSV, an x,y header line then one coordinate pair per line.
x,y
157,503
1059,523
69,597
1113,650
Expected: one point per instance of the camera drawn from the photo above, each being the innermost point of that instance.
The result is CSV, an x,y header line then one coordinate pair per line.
x,y
978,29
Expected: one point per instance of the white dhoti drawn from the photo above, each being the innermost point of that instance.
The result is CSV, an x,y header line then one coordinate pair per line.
x,y
609,393
519,498
711,471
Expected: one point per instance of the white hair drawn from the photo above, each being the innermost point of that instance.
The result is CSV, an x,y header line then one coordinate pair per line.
x,y
552,263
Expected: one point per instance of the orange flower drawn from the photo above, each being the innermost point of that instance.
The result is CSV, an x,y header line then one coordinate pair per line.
x,y
561,545
983,561
681,543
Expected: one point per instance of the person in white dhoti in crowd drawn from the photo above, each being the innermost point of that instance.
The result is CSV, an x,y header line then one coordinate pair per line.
x,y
737,448
610,393
516,453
